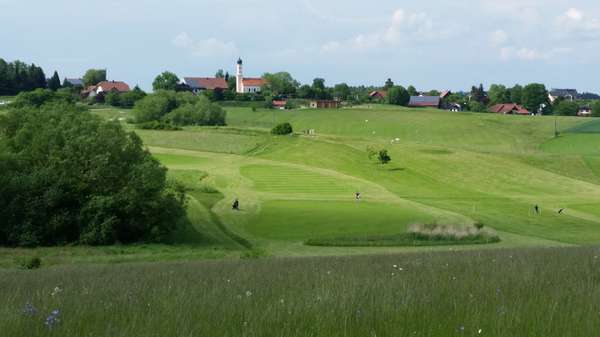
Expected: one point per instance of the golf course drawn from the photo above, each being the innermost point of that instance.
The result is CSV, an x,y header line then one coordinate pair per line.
x,y
532,180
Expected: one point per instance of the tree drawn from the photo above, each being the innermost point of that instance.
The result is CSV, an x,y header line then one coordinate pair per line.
x,y
535,98
412,91
596,109
54,82
282,129
388,83
498,94
165,81
220,74
476,106
566,108
129,98
383,157
94,76
397,95
319,89
182,108
478,94
516,94
305,91
70,177
281,83
341,91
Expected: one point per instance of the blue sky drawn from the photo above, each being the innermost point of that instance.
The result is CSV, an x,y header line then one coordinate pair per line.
x,y
433,45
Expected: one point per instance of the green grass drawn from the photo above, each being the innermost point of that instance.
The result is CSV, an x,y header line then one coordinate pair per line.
x,y
525,292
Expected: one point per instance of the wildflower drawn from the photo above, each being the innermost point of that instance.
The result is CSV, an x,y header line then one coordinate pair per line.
x,y
393,274
461,328
248,293
281,301
479,331
56,291
52,319
29,309
400,269
395,266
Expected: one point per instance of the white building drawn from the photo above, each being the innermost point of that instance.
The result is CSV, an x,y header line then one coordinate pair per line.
x,y
246,85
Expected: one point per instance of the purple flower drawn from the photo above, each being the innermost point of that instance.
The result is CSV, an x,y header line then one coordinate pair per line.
x,y
52,319
29,309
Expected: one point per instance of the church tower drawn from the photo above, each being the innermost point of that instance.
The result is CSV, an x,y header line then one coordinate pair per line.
x,y
239,77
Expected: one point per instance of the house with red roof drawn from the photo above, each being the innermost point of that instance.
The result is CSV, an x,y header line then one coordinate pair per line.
x,y
199,84
378,95
245,85
105,87
509,109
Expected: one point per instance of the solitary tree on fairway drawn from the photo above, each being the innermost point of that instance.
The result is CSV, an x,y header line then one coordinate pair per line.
x,y
384,157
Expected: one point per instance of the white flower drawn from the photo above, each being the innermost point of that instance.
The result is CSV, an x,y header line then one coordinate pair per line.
x,y
479,331
248,293
56,291
395,266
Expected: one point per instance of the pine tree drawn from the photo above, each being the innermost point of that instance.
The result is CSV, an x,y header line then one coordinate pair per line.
x,y
54,82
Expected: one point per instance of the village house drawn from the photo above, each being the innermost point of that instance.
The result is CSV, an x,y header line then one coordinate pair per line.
x,y
378,96
567,94
200,84
105,87
324,104
425,102
509,109
585,111
245,85
279,104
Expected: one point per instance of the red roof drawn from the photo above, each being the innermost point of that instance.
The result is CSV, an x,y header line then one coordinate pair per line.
x,y
279,103
377,93
113,86
445,93
509,108
207,83
254,82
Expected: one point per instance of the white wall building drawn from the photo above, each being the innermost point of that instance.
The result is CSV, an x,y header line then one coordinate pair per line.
x,y
246,85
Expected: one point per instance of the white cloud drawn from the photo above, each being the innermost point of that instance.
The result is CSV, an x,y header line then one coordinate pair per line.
x,y
205,48
402,28
574,24
498,38
508,53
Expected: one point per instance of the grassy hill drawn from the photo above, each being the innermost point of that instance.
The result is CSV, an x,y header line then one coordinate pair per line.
x,y
449,168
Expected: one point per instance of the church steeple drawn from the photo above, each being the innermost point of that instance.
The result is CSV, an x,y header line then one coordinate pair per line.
x,y
239,77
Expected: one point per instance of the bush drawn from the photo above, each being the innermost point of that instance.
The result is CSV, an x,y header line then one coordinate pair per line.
x,y
182,108
282,129
384,157
70,177
29,263
158,125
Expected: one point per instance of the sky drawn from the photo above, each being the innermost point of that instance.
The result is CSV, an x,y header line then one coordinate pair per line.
x,y
433,45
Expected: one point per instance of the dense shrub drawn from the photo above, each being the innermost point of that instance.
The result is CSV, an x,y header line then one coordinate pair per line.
x,y
158,125
69,177
182,108
282,129
39,97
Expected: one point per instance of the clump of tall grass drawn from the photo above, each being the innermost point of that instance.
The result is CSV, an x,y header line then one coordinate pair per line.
x,y
441,232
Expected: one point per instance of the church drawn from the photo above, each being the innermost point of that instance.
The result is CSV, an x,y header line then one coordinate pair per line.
x,y
246,85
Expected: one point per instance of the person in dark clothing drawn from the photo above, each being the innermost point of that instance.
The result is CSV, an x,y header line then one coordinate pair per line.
x,y
560,211
235,205
357,196
537,209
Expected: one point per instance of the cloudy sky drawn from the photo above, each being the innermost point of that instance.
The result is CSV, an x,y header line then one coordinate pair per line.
x,y
432,45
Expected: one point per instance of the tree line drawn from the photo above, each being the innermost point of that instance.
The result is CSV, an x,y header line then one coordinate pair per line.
x,y
18,76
